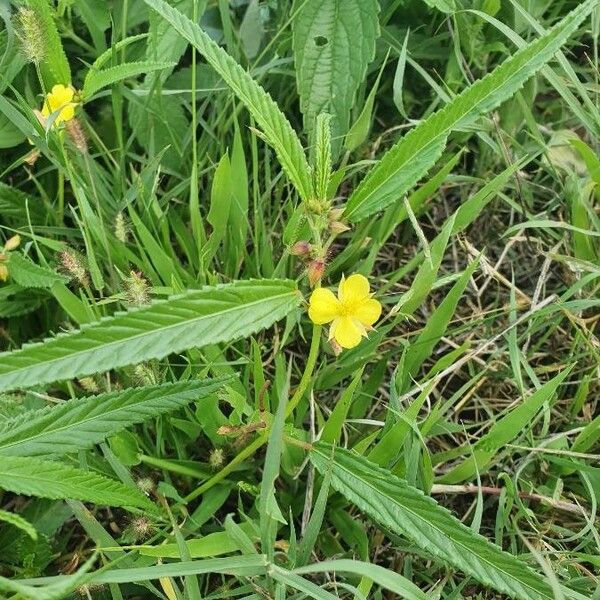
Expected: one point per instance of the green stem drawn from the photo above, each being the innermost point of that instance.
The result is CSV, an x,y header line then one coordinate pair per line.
x,y
260,441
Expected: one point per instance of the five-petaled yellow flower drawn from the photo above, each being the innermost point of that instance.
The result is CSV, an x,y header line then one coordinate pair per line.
x,y
60,99
351,314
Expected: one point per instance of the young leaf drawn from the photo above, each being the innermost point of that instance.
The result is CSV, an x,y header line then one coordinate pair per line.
x,y
275,126
79,424
405,510
412,157
196,318
96,80
334,41
48,479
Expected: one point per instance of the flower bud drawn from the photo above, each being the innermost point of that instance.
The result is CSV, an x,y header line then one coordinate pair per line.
x,y
3,272
13,243
315,271
301,248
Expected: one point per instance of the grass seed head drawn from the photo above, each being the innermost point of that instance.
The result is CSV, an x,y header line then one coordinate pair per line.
x,y
31,35
136,289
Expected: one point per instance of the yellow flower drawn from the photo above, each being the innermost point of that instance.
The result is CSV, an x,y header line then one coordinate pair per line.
x,y
60,99
351,314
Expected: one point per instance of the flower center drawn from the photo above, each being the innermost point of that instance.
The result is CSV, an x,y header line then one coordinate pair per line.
x,y
347,308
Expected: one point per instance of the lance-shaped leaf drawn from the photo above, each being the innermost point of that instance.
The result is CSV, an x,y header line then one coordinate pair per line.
x,y
48,479
405,510
412,157
275,127
79,424
96,79
196,318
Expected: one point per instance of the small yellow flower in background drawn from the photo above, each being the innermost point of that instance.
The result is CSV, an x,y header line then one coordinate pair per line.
x,y
351,314
60,98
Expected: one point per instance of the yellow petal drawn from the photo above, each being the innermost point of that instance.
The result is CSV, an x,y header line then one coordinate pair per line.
x,y
354,289
346,332
323,307
368,311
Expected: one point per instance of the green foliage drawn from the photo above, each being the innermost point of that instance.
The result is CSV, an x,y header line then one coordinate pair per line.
x,y
275,127
334,42
159,252
405,510
412,157
46,479
195,318
95,79
54,65
81,423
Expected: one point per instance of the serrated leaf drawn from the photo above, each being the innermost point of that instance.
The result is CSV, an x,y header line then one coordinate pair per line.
x,y
275,126
79,424
412,157
196,318
334,41
113,51
405,510
55,66
20,523
29,275
54,480
96,80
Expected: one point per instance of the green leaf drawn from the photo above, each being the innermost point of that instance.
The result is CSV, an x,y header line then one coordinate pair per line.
x,y
504,431
29,275
381,576
10,135
79,424
20,523
96,80
196,318
334,41
412,157
60,588
405,510
221,198
276,128
47,479
212,544
55,66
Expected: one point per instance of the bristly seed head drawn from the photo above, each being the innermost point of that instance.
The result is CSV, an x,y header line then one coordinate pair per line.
x,y
31,35
73,265
136,289
216,458
146,485
77,135
121,232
